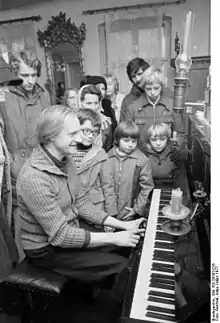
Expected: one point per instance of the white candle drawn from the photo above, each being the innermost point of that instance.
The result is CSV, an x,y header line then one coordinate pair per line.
x,y
176,201
163,44
187,31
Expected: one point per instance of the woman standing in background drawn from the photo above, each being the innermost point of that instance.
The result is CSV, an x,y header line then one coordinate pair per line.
x,y
113,94
71,99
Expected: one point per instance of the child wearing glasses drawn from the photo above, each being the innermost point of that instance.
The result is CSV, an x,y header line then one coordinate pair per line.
x,y
90,97
90,160
167,159
131,172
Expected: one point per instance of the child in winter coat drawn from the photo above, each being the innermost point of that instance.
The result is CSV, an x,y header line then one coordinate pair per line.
x,y
167,160
154,105
131,172
90,160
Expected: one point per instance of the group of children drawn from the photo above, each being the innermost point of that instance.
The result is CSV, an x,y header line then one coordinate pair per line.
x,y
121,180
119,169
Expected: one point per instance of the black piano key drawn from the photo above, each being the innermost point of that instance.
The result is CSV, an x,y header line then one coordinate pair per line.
x,y
161,294
165,199
163,253
161,300
160,309
157,264
162,281
162,276
163,245
161,286
160,221
161,236
165,257
162,268
161,316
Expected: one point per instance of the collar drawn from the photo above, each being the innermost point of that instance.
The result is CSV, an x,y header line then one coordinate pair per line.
x,y
134,155
152,152
167,102
41,161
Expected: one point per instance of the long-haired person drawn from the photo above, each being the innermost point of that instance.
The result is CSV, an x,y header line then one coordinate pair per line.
x,y
112,93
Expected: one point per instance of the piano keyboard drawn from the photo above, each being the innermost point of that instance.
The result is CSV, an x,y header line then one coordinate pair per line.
x,y
154,292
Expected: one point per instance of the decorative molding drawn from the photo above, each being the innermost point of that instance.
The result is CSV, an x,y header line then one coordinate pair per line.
x,y
136,6
12,21
60,30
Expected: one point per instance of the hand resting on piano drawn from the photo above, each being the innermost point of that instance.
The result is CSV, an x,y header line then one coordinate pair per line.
x,y
138,226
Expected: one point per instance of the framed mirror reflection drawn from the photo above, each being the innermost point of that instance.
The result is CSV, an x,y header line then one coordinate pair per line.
x,y
63,46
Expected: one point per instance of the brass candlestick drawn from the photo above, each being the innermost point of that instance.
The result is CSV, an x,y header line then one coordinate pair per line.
x,y
183,63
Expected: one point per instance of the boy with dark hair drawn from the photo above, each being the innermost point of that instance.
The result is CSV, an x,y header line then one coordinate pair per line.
x,y
18,115
135,69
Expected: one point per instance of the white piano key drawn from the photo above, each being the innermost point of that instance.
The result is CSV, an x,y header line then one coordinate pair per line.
x,y
163,262
161,290
156,320
162,249
162,273
169,306
164,241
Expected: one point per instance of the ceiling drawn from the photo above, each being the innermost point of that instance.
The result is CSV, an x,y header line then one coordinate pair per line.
x,y
15,4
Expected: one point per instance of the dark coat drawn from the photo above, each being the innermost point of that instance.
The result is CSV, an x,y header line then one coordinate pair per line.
x,y
133,95
145,115
19,114
132,181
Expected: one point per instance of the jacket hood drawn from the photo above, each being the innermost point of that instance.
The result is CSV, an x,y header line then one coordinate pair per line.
x,y
36,93
95,155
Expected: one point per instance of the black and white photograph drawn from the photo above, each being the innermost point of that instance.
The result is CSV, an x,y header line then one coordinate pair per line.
x,y
105,161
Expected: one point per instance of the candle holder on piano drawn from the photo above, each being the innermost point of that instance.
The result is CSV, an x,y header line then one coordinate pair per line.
x,y
176,213
202,201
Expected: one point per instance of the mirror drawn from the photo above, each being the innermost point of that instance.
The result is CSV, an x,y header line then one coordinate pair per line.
x,y
62,42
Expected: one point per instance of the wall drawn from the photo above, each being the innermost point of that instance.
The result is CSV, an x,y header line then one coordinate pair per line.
x,y
201,33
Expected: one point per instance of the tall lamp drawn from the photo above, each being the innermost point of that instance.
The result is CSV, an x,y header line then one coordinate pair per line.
x,y
183,63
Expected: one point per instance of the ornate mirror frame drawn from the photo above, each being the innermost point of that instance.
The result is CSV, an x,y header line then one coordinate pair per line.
x,y
60,30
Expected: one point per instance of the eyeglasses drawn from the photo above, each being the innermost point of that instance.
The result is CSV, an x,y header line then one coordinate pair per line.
x,y
88,132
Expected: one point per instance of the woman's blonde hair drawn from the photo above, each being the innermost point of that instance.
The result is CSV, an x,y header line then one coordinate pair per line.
x,y
158,130
114,79
153,75
50,122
